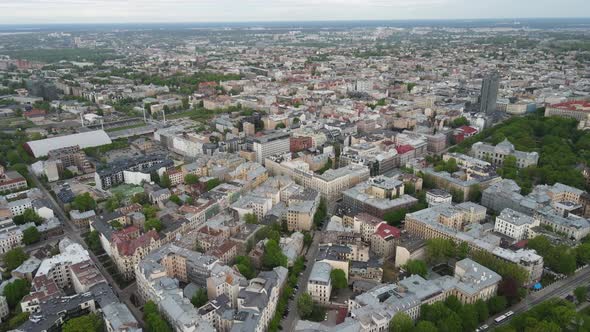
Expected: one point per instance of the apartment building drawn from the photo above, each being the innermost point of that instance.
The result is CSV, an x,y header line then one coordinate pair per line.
x,y
319,284
383,241
271,144
131,170
11,181
515,224
430,223
378,196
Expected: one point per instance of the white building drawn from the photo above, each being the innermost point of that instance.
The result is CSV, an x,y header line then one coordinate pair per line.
x,y
515,224
276,143
319,285
438,196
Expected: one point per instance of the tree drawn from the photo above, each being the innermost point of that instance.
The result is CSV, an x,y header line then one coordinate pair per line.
x,y
280,126
175,199
439,250
31,235
84,202
153,319
395,218
416,266
244,265
497,304
191,179
114,202
338,278
509,288
307,238
320,214
453,303
140,198
86,323
15,291
460,121
149,211
200,298
165,181
213,183
469,317
425,326
305,305
154,224
401,322
17,320
450,323
251,218
29,215
482,310
14,258
581,293
273,255
93,241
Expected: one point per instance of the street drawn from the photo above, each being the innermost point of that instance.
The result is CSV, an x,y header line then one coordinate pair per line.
x,y
71,232
557,289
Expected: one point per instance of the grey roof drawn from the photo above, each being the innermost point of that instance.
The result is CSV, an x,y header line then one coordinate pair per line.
x,y
40,148
320,272
515,217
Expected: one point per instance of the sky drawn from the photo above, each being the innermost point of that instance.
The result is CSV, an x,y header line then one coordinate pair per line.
x,y
138,11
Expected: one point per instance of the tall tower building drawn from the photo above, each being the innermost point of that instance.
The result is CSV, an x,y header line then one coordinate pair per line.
x,y
489,93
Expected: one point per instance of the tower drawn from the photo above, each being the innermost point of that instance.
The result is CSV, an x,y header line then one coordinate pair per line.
x,y
489,93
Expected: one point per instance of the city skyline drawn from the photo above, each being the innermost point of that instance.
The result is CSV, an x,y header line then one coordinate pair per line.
x,y
135,11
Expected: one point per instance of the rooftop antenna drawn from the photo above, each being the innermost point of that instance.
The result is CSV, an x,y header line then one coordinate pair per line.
x,y
164,112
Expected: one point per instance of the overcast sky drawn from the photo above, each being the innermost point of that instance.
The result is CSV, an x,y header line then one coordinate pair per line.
x,y
121,11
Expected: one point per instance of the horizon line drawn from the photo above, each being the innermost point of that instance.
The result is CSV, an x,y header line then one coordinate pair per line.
x,y
301,21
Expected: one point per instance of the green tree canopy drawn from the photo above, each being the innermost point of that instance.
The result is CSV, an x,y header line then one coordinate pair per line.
x,y
86,323
273,255
154,224
14,258
416,266
31,235
401,322
191,179
84,202
153,320
395,218
213,183
175,199
338,279
29,215
200,298
250,218
244,265
581,293
305,305
15,291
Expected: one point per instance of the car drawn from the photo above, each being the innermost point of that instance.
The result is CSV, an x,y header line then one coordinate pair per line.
x,y
484,327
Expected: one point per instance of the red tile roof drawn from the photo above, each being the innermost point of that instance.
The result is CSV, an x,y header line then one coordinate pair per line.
x,y
385,231
126,246
468,130
573,106
401,149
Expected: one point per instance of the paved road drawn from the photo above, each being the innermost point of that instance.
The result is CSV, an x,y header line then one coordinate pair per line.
x,y
558,289
71,231
290,321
